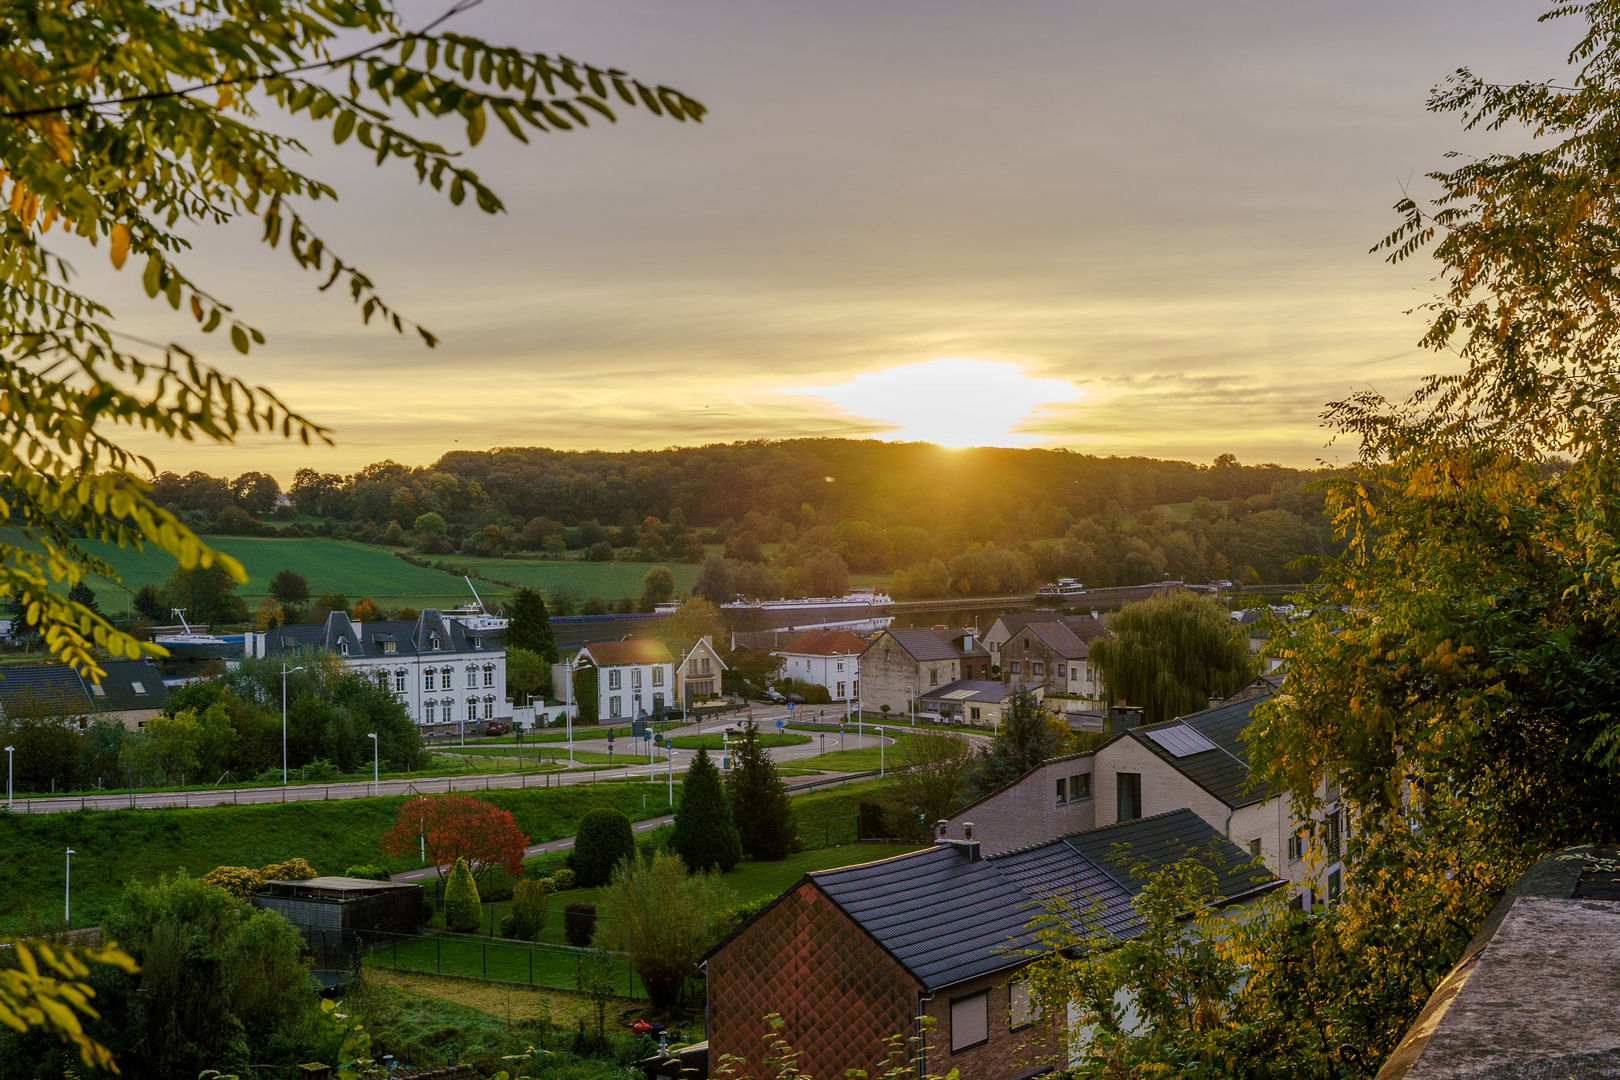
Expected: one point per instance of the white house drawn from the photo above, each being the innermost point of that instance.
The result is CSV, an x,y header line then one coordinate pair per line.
x,y
634,677
829,658
444,670
698,668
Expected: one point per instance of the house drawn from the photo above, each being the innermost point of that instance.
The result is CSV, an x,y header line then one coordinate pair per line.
x,y
698,669
442,670
902,664
979,702
849,957
826,658
130,691
634,677
969,645
1056,654
1199,762
1086,627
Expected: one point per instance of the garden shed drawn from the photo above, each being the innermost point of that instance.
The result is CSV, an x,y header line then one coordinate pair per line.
x,y
346,903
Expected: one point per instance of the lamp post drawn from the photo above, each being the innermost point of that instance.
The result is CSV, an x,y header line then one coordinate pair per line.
x,y
881,770
8,779
285,671
669,748
375,754
67,888
911,700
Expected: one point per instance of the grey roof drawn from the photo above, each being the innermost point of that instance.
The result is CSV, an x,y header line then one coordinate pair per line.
x,y
922,644
1060,639
1087,628
58,690
372,639
1223,772
980,691
948,917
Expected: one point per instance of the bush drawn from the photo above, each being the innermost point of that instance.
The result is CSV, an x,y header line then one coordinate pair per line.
x,y
240,881
291,870
371,871
869,824
731,920
509,927
529,909
562,879
603,841
579,924
318,771
497,886
463,911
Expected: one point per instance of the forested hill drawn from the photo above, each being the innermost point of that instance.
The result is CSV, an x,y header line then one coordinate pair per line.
x,y
1026,515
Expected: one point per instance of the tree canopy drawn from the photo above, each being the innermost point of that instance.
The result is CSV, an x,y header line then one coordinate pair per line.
x,y
705,835
1169,655
760,806
131,125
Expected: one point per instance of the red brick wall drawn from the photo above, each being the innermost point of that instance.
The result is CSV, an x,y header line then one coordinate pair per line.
x,y
1005,1054
838,993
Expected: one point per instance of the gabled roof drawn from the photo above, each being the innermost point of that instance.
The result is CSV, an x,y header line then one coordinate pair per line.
x,y
1087,628
682,651
1059,638
58,690
978,691
626,652
946,916
826,643
383,639
1224,771
921,644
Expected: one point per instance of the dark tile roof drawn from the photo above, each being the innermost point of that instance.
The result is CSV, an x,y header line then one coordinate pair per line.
x,y
922,644
384,638
990,691
1060,639
1224,772
948,917
58,690
1087,628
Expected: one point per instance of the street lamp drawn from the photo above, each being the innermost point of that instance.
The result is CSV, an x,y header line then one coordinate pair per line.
x,y
881,770
8,779
911,700
669,748
285,671
67,888
375,752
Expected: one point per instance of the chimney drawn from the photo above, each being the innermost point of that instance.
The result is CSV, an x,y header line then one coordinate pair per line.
x,y
941,829
967,830
967,845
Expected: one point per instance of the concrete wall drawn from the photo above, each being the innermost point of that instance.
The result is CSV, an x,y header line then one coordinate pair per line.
x,y
1028,812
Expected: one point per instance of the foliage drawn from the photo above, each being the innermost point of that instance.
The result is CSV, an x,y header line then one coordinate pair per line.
x,y
526,675
587,693
207,594
657,587
731,919
662,918
463,829
930,779
294,869
695,618
238,881
289,587
43,985
463,910
371,871
530,630
1029,734
1170,655
579,924
705,835
869,821
529,910
563,878
603,841
900,1058
760,808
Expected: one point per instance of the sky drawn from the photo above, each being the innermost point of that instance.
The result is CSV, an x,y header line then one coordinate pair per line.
x,y
1123,228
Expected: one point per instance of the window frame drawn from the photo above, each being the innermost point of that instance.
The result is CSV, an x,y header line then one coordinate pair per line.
x,y
982,998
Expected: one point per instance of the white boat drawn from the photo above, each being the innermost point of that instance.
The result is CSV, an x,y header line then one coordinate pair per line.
x,y
855,598
474,616
1062,588
192,644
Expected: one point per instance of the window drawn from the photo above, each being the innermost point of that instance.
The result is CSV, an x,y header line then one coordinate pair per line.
x,y
1080,786
840,689
614,677
1296,847
1063,671
973,712
1037,668
98,690
1012,668
472,676
139,688
615,706
840,665
449,709
399,681
658,676
1021,1008
970,1021
1062,789
489,674
427,679
389,645
1334,885
433,642
933,677
343,648
1129,788
1254,848
489,708
427,712
1333,836
1297,901
635,678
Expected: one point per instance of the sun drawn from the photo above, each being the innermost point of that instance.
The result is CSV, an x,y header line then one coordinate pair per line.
x,y
957,401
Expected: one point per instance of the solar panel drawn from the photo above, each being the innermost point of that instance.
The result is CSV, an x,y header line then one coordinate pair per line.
x,y
1181,740
958,695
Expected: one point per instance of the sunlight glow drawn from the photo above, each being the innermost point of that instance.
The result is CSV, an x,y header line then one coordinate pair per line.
x,y
956,401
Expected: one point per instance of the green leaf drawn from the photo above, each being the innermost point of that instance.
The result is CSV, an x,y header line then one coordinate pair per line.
x,y
342,126
239,338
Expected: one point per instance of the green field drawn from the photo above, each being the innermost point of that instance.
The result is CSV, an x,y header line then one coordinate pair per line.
x,y
608,580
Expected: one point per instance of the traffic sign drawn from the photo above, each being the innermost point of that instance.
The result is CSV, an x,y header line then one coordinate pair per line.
x,y
780,724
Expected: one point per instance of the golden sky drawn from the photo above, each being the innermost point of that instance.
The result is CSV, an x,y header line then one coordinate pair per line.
x,y
1132,228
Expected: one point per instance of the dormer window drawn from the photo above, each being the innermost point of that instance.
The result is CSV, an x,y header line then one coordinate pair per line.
x,y
137,687
434,642
388,646
343,648
478,643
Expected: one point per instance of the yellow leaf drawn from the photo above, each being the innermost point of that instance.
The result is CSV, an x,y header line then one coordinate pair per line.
x,y
120,245
56,133
225,97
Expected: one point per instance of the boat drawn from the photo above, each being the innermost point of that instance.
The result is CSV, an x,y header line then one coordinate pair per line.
x,y
1061,589
855,598
859,611
473,616
191,644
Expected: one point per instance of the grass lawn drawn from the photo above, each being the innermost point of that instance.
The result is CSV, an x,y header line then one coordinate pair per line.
x,y
861,759
717,741
507,1003
497,960
494,759
608,580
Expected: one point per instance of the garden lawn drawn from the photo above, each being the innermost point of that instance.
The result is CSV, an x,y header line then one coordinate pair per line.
x,y
718,741
860,760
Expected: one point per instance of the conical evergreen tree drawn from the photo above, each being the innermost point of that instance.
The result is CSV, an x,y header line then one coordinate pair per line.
x,y
463,910
705,835
759,801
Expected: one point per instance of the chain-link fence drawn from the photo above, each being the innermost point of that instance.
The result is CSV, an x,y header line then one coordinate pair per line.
x,y
558,967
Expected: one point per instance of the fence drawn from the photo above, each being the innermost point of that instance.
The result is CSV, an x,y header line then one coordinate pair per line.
x,y
558,967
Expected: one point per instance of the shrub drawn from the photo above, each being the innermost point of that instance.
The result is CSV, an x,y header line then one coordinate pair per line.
x,y
869,824
463,911
730,920
372,871
579,924
562,879
497,886
240,881
529,911
291,870
603,841
318,771
509,927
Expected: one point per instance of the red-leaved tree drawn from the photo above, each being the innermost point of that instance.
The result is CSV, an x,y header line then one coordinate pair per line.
x,y
458,826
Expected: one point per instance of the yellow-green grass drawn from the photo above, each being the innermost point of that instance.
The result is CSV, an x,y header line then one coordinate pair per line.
x,y
494,759
608,580
717,741
860,760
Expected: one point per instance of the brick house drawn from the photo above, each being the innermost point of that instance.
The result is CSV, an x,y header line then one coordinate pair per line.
x,y
852,956
1053,652
902,664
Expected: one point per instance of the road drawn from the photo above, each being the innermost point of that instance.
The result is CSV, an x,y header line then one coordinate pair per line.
x,y
635,765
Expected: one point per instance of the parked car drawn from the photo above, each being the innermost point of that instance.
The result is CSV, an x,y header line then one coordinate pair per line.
x,y
497,727
772,694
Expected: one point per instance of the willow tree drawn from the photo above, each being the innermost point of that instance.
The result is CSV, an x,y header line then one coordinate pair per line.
x,y
1169,655
127,126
